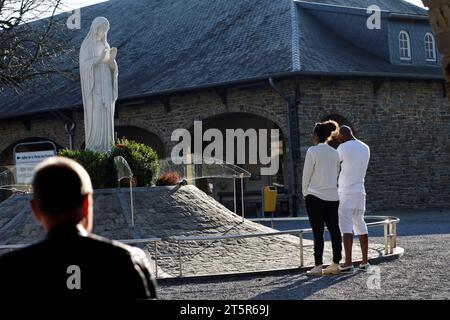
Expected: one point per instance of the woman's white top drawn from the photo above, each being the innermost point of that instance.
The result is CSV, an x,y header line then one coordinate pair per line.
x,y
321,172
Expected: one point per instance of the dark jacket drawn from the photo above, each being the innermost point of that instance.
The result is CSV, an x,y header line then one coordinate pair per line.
x,y
70,263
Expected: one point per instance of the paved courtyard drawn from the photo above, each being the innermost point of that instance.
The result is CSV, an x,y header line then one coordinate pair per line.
x,y
422,273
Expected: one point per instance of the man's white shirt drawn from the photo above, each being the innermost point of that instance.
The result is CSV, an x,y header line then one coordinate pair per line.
x,y
354,155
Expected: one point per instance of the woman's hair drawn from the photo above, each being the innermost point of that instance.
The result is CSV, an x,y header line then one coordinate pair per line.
x,y
327,130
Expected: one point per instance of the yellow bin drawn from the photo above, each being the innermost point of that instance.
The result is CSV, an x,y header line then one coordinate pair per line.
x,y
270,198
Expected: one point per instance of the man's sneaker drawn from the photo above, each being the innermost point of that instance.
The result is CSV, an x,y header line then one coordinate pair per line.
x,y
316,271
348,270
332,269
364,266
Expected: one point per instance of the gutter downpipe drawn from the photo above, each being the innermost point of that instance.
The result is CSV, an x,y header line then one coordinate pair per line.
x,y
70,130
291,164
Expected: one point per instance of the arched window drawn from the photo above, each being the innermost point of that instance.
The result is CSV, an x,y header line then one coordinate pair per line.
x,y
430,47
404,45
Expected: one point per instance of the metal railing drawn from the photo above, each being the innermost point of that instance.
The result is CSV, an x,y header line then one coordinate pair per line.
x,y
389,223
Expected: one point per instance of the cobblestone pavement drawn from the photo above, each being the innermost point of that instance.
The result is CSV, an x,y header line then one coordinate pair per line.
x,y
420,274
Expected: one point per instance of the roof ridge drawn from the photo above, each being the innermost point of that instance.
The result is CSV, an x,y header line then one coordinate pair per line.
x,y
296,64
324,4
321,4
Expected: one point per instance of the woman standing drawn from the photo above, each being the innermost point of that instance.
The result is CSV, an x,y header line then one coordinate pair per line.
x,y
319,185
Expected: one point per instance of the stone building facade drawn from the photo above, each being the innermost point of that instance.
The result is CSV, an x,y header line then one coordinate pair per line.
x,y
406,124
214,61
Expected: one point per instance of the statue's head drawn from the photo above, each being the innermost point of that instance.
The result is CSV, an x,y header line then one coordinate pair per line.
x,y
99,28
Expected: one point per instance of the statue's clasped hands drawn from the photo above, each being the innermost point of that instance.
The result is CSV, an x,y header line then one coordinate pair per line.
x,y
113,53
109,55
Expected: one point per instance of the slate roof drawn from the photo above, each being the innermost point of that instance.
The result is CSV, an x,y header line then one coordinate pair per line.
x,y
347,47
176,45
395,6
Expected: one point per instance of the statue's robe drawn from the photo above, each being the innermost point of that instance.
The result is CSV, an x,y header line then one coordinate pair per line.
x,y
100,90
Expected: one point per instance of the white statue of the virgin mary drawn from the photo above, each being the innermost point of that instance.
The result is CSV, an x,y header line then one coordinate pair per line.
x,y
99,72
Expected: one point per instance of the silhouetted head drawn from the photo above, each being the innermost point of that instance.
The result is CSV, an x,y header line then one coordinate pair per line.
x,y
62,194
325,131
346,134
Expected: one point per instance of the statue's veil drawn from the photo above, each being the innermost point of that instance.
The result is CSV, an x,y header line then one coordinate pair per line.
x,y
87,54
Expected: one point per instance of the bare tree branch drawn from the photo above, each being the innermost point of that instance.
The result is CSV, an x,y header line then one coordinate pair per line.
x,y
32,48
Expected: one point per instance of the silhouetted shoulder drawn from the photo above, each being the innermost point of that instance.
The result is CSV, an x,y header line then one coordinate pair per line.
x,y
108,268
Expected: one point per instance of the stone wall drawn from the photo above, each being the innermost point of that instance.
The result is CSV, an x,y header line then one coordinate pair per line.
x,y
406,124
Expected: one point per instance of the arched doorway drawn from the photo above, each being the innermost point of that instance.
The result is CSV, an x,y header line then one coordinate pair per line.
x,y
255,127
142,136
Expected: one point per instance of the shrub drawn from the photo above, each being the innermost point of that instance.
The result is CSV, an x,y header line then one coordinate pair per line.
x,y
142,160
168,179
95,163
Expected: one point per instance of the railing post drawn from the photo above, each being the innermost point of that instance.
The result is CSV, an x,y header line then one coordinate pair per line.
x,y
234,195
391,238
301,249
394,225
179,259
242,197
156,259
131,201
386,243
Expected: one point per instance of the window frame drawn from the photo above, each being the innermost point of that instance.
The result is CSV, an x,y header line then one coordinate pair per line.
x,y
407,48
433,47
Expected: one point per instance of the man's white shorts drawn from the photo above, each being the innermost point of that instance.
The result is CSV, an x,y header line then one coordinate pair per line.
x,y
351,213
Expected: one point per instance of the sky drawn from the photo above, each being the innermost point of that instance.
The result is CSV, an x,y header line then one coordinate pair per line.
x,y
73,4
81,3
416,2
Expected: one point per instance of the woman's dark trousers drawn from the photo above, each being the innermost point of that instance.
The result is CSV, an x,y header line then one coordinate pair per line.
x,y
323,213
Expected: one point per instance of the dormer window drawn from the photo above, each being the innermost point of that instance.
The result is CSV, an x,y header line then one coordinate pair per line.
x,y
404,45
430,47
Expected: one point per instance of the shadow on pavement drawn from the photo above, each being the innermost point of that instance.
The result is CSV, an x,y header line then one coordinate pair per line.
x,y
303,288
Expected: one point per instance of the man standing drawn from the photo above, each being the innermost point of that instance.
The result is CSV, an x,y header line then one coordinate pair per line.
x,y
71,262
354,155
